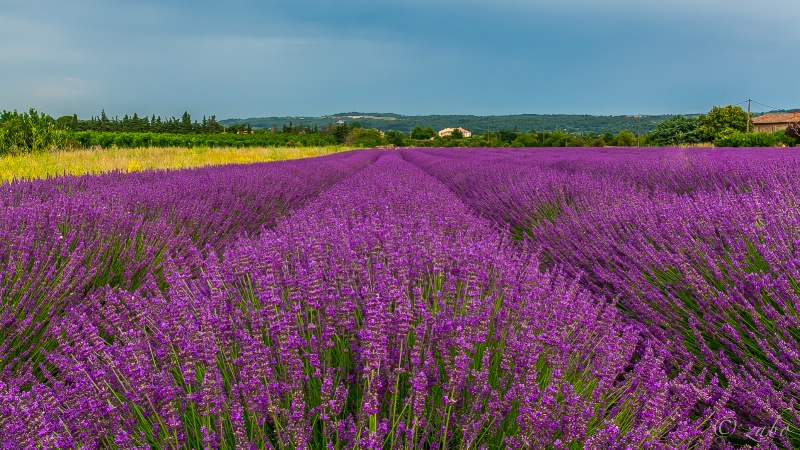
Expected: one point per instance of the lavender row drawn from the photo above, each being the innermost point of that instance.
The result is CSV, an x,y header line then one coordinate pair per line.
x,y
697,245
715,273
63,238
214,205
383,314
524,188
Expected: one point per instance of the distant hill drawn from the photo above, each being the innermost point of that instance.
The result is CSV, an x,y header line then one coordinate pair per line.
x,y
574,124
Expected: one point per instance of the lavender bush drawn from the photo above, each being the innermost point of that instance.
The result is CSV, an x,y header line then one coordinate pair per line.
x,y
697,245
403,299
62,239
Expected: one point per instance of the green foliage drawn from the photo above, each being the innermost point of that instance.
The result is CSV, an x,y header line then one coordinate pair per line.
x,y
712,125
29,132
507,136
677,130
557,138
574,124
132,140
136,124
131,131
341,133
396,138
418,133
626,138
527,140
67,123
732,138
106,140
366,138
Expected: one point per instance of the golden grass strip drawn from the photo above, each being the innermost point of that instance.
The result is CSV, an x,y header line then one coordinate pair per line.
x,y
80,162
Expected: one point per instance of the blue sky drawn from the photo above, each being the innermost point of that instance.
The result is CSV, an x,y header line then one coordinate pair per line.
x,y
316,57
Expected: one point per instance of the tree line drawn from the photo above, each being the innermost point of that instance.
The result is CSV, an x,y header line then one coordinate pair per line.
x,y
35,131
427,137
105,139
145,124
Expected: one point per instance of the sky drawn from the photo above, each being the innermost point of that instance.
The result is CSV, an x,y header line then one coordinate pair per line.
x,y
240,59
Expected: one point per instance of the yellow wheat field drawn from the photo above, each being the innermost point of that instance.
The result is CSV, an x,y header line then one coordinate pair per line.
x,y
79,162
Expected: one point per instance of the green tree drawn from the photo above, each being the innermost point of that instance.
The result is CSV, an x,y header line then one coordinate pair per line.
x,y
712,124
457,134
507,136
419,133
105,124
341,132
677,130
593,140
626,138
366,138
68,123
136,123
29,132
396,138
527,140
186,122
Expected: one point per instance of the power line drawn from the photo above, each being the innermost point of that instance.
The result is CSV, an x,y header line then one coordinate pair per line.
x,y
759,103
767,106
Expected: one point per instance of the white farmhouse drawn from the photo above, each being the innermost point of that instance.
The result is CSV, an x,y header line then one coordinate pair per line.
x,y
449,132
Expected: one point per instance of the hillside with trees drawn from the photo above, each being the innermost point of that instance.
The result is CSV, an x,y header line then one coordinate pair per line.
x,y
570,123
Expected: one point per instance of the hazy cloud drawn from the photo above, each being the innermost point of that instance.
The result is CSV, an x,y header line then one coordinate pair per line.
x,y
66,88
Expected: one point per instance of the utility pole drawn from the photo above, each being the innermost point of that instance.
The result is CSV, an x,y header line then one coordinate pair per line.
x,y
748,115
638,127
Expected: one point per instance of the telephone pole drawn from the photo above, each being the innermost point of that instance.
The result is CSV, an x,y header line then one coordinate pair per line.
x,y
638,127
748,115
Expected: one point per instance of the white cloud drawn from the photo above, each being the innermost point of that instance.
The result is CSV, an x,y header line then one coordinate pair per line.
x,y
65,88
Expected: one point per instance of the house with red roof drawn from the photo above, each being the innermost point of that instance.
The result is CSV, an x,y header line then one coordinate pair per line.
x,y
775,121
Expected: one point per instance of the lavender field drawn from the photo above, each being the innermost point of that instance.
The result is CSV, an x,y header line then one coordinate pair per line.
x,y
415,298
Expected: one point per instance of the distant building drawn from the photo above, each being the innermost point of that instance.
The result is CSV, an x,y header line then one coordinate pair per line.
x,y
449,132
775,121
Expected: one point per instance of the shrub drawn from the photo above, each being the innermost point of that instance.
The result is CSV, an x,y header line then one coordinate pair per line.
x,y
675,131
362,137
29,132
730,138
106,140
527,140
124,140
